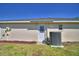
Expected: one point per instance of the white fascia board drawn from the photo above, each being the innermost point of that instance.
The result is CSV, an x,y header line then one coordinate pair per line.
x,y
15,21
65,21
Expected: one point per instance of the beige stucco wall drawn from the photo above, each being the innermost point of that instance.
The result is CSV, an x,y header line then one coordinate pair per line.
x,y
67,35
20,32
22,35
70,35
30,32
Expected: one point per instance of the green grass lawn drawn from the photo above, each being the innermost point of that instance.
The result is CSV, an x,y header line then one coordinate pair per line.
x,y
8,49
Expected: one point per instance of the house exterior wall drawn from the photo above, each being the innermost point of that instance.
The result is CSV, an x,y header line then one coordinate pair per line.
x,y
20,32
70,33
30,32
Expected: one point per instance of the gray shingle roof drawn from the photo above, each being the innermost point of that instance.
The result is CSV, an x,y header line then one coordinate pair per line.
x,y
41,19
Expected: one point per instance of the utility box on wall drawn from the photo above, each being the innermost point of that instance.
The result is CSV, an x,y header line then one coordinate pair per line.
x,y
55,38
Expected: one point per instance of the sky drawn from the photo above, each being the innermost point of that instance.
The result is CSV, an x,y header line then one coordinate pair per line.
x,y
12,11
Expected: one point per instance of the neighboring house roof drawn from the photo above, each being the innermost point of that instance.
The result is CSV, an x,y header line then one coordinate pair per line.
x,y
45,21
